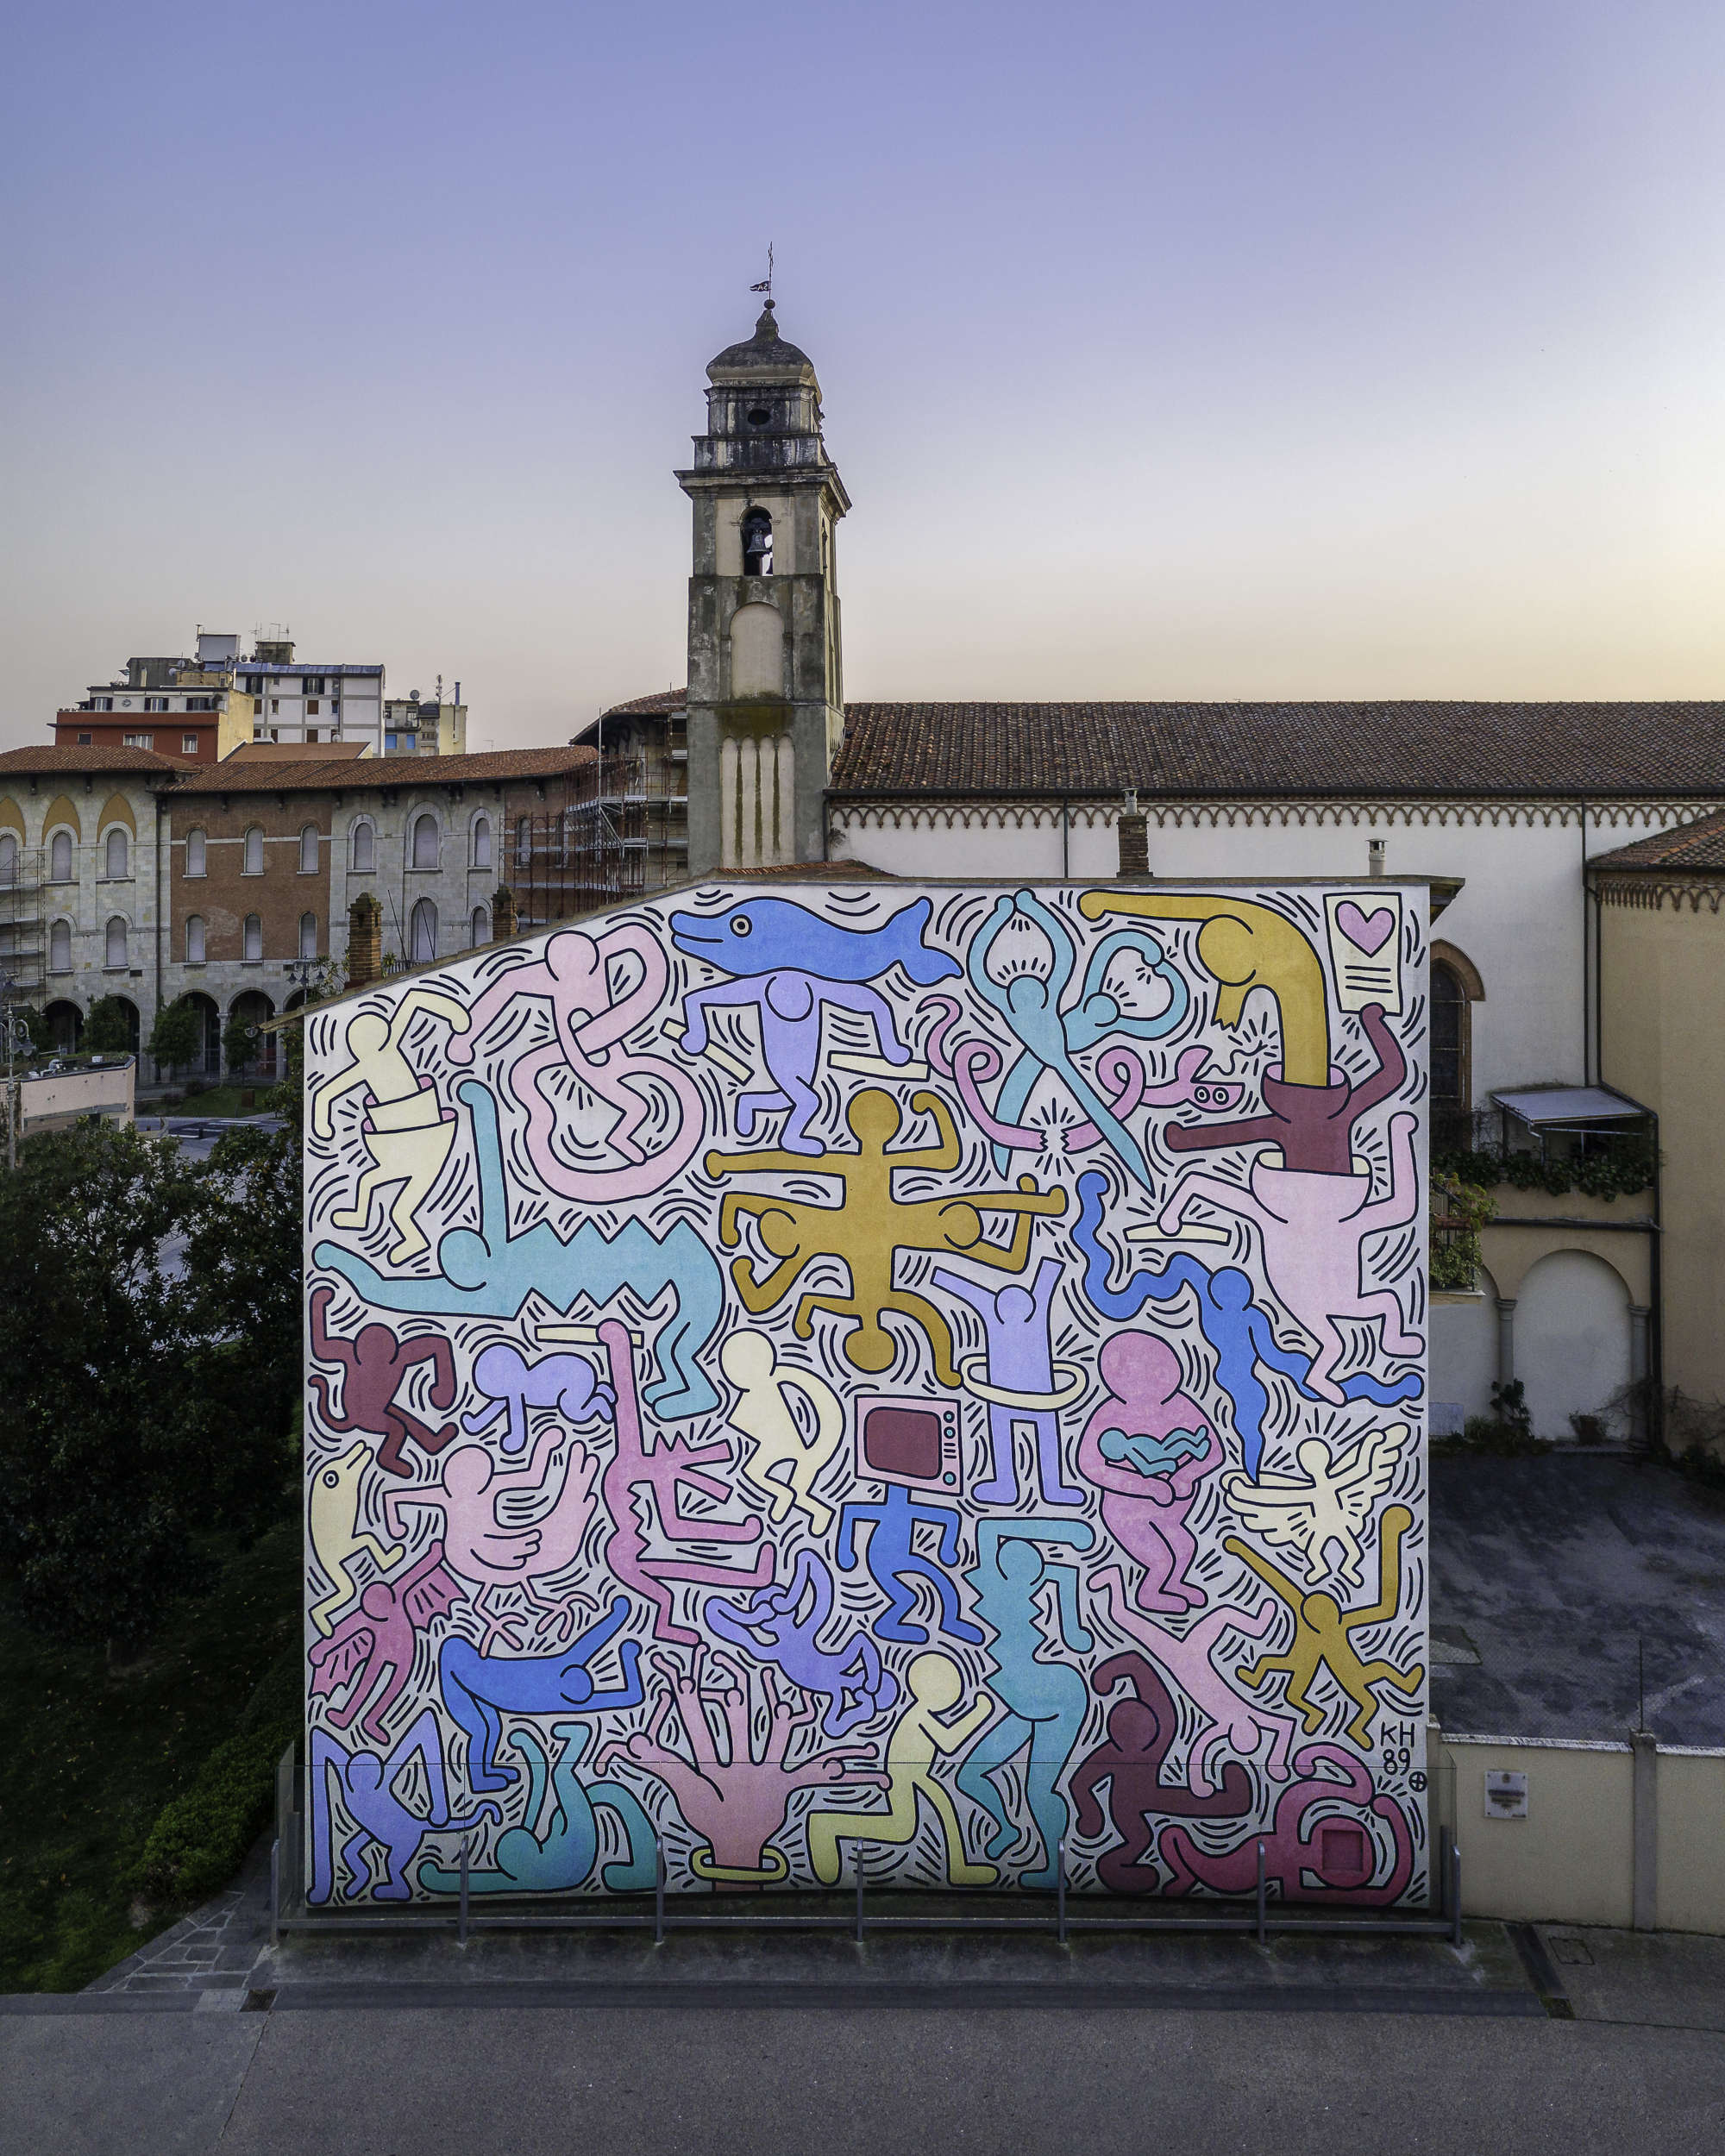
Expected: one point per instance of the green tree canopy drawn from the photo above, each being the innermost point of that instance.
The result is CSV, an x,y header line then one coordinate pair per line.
x,y
108,1030
176,1036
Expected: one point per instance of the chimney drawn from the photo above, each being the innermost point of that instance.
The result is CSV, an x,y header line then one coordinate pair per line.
x,y
365,940
504,924
1134,835
1374,856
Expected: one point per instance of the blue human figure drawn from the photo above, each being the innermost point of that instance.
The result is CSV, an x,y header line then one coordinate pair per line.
x,y
1048,1038
479,1689
1045,1701
487,1273
894,1562
522,1864
782,1626
368,1794
1240,1333
1020,1359
508,1381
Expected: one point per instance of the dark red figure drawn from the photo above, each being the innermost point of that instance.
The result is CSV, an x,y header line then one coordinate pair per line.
x,y
1140,1730
375,1364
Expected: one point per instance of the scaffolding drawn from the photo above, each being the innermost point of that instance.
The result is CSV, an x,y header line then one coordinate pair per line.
x,y
613,828
24,970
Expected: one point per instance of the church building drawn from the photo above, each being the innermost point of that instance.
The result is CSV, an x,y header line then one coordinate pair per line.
x,y
1504,807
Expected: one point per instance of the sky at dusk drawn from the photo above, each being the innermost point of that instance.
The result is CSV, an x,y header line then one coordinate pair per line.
x,y
1232,349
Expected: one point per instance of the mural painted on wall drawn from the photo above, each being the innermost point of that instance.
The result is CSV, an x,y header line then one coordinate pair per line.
x,y
924,1377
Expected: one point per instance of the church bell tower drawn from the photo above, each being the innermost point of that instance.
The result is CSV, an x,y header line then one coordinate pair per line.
x,y
766,706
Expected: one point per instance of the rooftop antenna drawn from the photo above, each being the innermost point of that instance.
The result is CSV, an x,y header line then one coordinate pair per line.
x,y
766,284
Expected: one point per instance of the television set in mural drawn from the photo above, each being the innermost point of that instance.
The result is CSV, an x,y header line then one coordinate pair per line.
x,y
804,1376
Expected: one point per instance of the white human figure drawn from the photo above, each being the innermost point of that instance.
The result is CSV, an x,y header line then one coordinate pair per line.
x,y
1331,1500
765,1416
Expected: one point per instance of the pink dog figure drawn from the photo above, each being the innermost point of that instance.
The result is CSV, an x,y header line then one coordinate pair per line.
x,y
1146,1448
1335,1851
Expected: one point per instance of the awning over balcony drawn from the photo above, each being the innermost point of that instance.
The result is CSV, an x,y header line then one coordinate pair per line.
x,y
1574,1106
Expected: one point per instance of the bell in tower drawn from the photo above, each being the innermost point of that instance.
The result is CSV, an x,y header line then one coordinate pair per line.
x,y
766,707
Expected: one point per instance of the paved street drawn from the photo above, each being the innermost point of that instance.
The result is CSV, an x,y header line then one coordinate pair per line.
x,y
353,2064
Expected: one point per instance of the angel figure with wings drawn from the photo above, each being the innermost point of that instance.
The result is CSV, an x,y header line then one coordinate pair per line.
x,y
1331,1501
381,1635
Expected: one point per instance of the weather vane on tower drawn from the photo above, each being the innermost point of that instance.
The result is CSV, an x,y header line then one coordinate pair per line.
x,y
766,284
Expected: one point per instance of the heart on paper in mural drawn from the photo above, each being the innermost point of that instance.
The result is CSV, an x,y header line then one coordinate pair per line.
x,y
1366,931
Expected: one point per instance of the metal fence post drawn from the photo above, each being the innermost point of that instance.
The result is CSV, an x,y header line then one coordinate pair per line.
x,y
1060,1889
461,1922
1455,1893
859,1894
658,1890
275,1892
1262,1933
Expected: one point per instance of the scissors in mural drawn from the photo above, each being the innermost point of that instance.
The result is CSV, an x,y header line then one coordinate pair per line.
x,y
383,1819
926,1730
478,1546
381,1635
790,966
1323,1636
664,1471
375,1366
782,1626
1128,1762
561,1859
1046,1701
1308,1839
870,1226
1240,1335
406,1131
1028,999
485,1272
737,1800
479,1689
1146,1448
1227,1722
591,1021
1017,1378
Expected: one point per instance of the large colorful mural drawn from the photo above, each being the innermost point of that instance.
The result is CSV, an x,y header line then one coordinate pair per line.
x,y
931,1377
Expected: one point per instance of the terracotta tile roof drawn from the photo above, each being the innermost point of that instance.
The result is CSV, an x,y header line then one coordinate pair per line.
x,y
1697,846
1276,749
48,760
372,773
659,706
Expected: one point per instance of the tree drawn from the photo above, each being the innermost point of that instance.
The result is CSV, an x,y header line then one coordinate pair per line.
x,y
176,1036
108,1030
239,1049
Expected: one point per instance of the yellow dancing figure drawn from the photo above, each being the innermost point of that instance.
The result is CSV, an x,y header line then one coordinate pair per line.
x,y
936,1685
764,1415
407,1132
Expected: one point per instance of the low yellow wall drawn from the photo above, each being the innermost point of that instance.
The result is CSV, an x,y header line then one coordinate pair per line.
x,y
1692,1813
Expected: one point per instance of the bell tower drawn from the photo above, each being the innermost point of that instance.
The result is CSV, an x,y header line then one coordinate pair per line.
x,y
766,707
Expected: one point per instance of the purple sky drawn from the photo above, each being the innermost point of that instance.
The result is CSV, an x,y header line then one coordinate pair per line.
x,y
1232,349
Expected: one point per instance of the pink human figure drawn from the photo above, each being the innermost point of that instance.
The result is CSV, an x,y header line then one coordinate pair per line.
x,y
591,1023
670,1465
1299,1845
738,1799
1147,1448
1314,1227
379,1636
1226,1719
478,1547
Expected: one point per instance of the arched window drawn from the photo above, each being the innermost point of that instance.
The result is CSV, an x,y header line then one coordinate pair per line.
x,y
194,854
1452,1089
254,865
757,543
308,935
481,842
251,938
115,854
59,946
115,953
481,925
194,940
523,842
365,850
59,858
308,850
9,858
425,842
424,933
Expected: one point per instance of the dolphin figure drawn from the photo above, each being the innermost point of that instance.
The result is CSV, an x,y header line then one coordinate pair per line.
x,y
759,936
